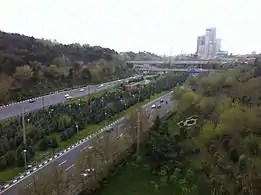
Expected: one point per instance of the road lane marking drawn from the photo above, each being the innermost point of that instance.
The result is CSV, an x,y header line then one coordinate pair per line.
x,y
83,149
69,167
62,163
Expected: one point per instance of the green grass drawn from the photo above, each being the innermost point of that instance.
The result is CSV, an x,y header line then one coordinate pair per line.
x,y
134,178
9,173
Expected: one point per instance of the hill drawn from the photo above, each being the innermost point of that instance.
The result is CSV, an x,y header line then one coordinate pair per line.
x,y
41,66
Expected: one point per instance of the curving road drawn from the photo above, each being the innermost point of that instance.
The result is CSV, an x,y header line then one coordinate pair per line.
x,y
67,157
17,108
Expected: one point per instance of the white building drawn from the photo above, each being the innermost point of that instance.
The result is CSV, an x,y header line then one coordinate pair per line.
x,y
208,45
218,45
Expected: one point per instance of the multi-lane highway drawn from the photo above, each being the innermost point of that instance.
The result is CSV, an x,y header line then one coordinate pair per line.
x,y
18,108
67,157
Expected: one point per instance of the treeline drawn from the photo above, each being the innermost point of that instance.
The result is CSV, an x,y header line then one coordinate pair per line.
x,y
67,119
31,67
212,146
140,56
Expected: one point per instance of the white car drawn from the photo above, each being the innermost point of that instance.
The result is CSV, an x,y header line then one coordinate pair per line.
x,y
81,90
69,97
153,106
66,95
100,86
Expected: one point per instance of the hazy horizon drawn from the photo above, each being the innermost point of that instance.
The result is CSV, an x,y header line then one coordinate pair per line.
x,y
159,27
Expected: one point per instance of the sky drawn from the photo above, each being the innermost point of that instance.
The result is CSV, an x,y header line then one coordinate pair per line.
x,y
159,26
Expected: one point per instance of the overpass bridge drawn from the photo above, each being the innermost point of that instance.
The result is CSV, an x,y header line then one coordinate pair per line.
x,y
190,70
176,62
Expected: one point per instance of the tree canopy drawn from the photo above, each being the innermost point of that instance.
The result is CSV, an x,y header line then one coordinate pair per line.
x,y
212,145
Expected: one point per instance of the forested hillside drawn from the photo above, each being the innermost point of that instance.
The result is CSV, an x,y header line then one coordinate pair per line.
x,y
41,66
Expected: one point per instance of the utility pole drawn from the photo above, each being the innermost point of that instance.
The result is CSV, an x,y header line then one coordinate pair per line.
x,y
43,102
89,98
23,124
24,139
138,133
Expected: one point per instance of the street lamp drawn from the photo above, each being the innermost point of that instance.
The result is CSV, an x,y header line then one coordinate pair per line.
x,y
25,161
52,145
77,129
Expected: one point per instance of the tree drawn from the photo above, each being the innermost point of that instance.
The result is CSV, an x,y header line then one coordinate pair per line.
x,y
38,186
23,72
86,74
5,86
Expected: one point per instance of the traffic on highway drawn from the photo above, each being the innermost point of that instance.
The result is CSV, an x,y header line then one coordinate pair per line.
x,y
17,108
66,158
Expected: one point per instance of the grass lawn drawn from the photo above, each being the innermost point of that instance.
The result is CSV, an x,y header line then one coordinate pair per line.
x,y
9,173
135,178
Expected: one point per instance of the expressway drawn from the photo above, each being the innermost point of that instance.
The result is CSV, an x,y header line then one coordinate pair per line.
x,y
17,108
67,157
196,70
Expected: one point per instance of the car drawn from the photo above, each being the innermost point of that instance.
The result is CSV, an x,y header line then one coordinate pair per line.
x,y
31,101
101,85
29,167
66,95
153,106
158,106
81,90
109,130
166,102
161,100
69,97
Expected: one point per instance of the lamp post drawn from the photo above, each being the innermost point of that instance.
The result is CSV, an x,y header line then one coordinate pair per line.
x,y
25,160
77,129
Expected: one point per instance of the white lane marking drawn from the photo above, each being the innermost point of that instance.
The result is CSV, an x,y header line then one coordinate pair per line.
x,y
83,149
69,167
27,186
62,163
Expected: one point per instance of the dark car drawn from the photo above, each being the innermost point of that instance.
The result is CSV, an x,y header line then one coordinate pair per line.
x,y
159,106
109,130
31,101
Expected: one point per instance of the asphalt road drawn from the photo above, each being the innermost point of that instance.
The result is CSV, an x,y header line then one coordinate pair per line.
x,y
17,108
68,158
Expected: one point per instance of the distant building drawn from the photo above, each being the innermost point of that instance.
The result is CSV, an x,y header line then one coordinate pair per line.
x,y
221,55
208,45
201,46
218,45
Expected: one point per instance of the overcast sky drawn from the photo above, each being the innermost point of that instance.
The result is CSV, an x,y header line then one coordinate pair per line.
x,y
158,26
